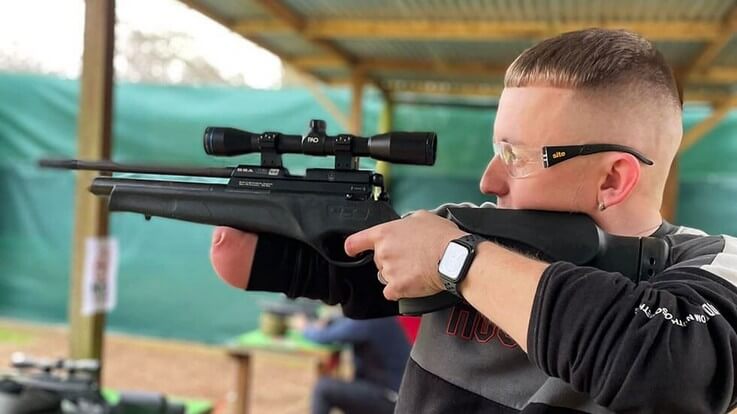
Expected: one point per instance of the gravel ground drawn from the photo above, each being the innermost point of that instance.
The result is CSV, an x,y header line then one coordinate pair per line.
x,y
282,383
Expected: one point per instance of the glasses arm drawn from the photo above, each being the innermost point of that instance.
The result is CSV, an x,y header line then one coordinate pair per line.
x,y
556,154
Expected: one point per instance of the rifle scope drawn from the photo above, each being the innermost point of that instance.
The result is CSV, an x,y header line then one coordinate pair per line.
x,y
397,147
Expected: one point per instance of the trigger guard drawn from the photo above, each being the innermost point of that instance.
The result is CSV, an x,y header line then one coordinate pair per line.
x,y
362,260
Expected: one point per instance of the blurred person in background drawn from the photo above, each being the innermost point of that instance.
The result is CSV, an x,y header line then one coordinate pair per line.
x,y
380,351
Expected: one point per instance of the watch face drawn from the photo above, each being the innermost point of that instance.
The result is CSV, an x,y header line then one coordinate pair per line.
x,y
453,259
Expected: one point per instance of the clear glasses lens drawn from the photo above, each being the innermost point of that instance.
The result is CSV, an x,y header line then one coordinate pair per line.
x,y
519,163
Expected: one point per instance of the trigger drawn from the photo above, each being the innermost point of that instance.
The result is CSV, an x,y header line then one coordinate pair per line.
x,y
362,259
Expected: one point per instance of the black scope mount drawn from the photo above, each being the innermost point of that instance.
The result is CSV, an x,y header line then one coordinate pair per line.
x,y
396,147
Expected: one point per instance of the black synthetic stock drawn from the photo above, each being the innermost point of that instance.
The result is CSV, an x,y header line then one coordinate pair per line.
x,y
552,236
571,237
322,221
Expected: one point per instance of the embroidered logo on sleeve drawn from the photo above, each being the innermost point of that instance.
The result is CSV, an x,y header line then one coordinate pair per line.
x,y
709,312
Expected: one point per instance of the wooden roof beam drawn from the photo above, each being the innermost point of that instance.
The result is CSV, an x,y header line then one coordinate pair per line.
x,y
310,62
296,23
699,95
486,30
716,75
228,23
282,13
697,71
715,45
418,29
254,27
309,79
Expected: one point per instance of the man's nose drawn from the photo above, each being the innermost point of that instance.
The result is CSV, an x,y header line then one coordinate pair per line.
x,y
495,178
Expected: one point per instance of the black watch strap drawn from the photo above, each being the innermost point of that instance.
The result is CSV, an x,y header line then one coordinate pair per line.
x,y
470,241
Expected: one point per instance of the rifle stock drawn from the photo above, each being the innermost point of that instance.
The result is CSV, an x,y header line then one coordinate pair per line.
x,y
321,221
552,236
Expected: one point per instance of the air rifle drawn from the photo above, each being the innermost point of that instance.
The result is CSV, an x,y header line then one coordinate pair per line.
x,y
325,206
69,386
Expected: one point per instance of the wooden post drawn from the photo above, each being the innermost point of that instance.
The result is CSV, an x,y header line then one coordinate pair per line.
x,y
669,207
243,381
358,79
94,125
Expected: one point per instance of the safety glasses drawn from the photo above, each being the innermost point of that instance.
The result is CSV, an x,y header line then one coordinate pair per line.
x,y
522,162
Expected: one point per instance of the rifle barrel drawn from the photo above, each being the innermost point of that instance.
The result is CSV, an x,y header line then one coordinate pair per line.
x,y
110,166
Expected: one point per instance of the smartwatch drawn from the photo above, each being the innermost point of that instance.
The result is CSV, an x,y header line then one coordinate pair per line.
x,y
456,260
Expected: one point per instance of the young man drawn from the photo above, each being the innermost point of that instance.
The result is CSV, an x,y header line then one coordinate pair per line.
x,y
538,337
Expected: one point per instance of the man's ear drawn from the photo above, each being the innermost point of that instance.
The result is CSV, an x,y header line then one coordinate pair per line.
x,y
621,177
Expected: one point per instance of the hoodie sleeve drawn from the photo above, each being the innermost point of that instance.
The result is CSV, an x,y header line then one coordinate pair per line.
x,y
288,266
293,268
668,344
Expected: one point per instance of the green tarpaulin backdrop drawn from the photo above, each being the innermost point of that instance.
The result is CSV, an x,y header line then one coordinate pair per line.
x,y
166,285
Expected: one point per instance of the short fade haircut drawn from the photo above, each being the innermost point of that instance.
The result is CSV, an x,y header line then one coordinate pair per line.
x,y
595,59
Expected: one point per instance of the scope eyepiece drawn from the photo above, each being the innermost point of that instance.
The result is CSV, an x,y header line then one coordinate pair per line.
x,y
404,147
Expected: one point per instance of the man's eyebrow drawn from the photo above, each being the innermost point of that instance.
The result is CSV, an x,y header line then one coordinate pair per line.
x,y
503,139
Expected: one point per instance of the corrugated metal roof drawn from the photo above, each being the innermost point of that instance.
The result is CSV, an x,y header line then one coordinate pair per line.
x,y
291,45
679,54
439,77
403,43
230,9
436,50
560,10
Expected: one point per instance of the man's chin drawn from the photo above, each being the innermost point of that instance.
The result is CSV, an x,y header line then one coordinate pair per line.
x,y
512,206
505,205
